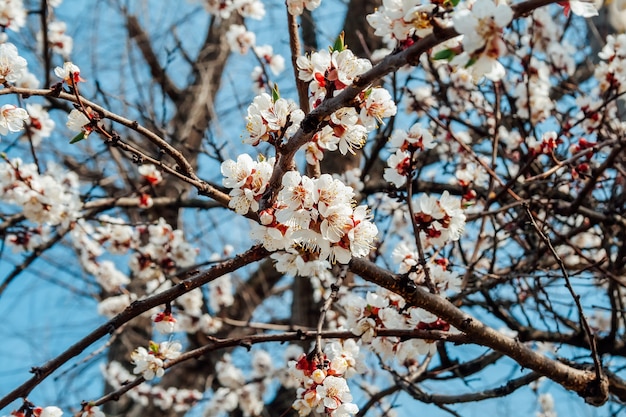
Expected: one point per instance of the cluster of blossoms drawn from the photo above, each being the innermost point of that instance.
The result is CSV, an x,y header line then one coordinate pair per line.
x,y
402,20
482,27
149,362
13,14
180,400
328,73
440,220
405,145
253,9
158,250
312,218
248,180
238,391
315,219
29,409
58,39
46,199
296,7
385,310
39,124
272,119
610,71
321,378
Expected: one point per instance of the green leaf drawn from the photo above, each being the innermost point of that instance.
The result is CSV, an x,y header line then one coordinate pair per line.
x,y
275,93
446,54
78,137
339,45
471,62
454,2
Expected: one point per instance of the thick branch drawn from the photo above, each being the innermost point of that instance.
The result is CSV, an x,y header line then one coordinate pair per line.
x,y
582,382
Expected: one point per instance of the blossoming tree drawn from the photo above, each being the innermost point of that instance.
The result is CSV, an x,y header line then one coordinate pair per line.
x,y
278,217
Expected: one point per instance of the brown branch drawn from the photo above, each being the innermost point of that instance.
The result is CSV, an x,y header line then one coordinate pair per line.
x,y
501,391
218,344
583,382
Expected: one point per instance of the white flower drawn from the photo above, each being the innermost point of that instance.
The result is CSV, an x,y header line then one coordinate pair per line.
x,y
69,73
378,105
50,411
399,165
76,121
239,39
150,173
170,350
12,119
164,322
60,42
40,125
146,364
296,7
583,8
481,28
334,392
12,14
12,66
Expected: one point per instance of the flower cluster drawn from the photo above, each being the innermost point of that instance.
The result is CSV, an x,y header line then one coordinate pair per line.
x,y
58,39
322,380
482,28
156,251
296,7
12,66
315,218
39,123
406,144
610,71
12,14
149,362
245,8
272,119
330,72
237,391
440,220
178,399
402,20
248,180
385,310
30,410
49,198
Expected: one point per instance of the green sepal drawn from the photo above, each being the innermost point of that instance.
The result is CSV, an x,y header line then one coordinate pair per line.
x,y
78,137
446,54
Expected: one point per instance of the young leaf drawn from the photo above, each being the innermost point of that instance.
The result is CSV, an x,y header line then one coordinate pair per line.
x,y
339,45
275,93
78,137
447,54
